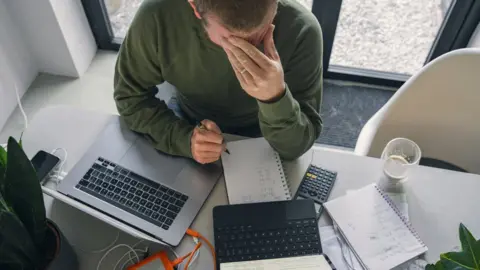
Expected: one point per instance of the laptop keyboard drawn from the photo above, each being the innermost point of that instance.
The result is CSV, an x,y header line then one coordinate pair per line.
x,y
133,193
250,242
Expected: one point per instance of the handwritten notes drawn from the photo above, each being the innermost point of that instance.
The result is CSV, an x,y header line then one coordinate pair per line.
x,y
375,229
253,173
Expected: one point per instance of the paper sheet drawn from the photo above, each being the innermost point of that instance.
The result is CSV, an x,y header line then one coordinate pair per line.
x,y
254,163
316,262
332,247
332,243
400,201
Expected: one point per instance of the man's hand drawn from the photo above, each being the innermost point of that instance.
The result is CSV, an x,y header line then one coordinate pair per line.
x,y
260,75
207,144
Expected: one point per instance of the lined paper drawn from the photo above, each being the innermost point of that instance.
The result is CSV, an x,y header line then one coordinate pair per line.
x,y
375,229
253,172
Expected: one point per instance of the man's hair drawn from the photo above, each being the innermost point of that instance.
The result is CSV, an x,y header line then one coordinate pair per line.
x,y
241,15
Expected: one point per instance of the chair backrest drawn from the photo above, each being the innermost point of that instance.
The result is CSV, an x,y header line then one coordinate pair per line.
x,y
438,108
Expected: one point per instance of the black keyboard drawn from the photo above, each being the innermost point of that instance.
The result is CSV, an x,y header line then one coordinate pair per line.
x,y
247,242
259,231
133,193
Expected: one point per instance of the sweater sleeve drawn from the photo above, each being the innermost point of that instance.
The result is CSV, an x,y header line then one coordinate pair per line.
x,y
138,70
292,124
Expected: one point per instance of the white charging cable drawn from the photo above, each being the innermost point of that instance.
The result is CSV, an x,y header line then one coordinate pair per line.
x,y
25,118
115,247
58,174
195,256
128,262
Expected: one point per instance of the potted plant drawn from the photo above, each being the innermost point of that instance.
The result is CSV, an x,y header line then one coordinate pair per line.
x,y
28,240
468,258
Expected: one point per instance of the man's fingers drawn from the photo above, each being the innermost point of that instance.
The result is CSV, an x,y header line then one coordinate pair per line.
x,y
252,52
240,76
208,147
247,67
233,60
243,60
209,136
270,48
247,62
209,154
247,77
207,160
210,125
206,157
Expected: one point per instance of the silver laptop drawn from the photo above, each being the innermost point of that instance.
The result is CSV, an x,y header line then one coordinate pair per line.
x,y
123,176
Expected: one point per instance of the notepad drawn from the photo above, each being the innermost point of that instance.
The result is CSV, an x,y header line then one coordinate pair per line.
x,y
379,235
315,262
254,173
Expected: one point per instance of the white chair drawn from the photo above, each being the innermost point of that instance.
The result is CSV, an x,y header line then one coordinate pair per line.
x,y
438,108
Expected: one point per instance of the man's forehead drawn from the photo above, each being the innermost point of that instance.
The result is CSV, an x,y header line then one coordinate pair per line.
x,y
215,21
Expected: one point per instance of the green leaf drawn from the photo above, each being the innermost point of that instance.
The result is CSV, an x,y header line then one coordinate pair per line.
x,y
457,260
16,247
3,157
20,142
469,245
437,266
3,204
24,194
3,167
467,259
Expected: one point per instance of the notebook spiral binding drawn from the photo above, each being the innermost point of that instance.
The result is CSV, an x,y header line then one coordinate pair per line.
x,y
285,183
404,220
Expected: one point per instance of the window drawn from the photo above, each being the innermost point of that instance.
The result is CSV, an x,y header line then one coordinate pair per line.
x,y
372,41
389,35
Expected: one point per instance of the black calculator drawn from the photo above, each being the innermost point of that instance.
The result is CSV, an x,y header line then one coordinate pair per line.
x,y
316,185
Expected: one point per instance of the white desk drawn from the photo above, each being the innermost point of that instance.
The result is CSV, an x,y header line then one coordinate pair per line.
x,y
438,200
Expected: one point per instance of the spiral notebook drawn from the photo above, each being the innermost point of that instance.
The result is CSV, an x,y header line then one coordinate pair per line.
x,y
254,173
377,232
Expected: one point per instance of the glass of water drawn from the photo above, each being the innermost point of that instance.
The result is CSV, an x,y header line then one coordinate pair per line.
x,y
399,155
403,149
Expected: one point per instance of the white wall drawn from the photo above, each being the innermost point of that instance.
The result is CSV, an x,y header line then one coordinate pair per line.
x,y
51,36
475,41
58,34
17,64
76,31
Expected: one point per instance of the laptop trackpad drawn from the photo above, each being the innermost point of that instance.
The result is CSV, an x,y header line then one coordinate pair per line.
x,y
144,160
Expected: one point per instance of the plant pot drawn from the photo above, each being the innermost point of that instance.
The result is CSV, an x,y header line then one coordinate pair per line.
x,y
64,257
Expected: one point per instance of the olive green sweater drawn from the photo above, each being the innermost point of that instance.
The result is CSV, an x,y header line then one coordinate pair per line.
x,y
166,42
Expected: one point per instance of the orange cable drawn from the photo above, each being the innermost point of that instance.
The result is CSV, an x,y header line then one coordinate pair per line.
x,y
191,255
212,249
181,259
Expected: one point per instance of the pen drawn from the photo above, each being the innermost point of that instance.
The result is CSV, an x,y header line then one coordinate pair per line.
x,y
203,127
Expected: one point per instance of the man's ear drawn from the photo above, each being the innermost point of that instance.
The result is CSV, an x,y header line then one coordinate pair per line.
x,y
192,4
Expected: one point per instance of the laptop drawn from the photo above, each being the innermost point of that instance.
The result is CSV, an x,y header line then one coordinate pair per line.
x,y
260,231
123,176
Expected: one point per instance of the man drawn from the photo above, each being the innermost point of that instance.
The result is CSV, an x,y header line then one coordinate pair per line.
x,y
248,67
